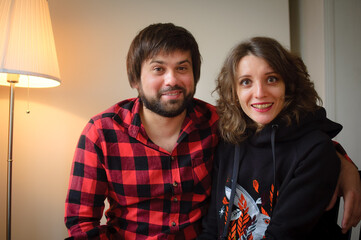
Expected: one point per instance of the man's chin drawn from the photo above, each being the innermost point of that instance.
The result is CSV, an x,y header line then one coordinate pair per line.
x,y
170,108
174,112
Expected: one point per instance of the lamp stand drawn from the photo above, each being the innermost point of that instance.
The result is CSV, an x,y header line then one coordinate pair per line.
x,y
10,153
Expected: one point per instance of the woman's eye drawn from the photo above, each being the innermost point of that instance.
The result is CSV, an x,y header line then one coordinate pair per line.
x,y
272,79
245,82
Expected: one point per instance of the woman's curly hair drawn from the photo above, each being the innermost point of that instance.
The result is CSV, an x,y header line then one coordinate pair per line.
x,y
300,96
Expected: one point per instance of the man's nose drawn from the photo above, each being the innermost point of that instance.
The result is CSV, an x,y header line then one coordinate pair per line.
x,y
170,78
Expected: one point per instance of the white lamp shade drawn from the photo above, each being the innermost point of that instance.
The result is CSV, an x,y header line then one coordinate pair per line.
x,y
27,44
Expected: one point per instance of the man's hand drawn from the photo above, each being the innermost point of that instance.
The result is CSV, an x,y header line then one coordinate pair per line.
x,y
348,186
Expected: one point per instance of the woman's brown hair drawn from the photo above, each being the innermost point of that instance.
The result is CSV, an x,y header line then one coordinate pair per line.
x,y
300,95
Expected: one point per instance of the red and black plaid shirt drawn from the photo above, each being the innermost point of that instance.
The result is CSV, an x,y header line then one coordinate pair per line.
x,y
153,194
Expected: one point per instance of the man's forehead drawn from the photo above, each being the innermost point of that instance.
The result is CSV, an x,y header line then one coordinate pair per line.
x,y
166,52
177,54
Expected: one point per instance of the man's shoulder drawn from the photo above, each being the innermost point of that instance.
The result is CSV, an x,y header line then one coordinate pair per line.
x,y
121,108
200,103
204,111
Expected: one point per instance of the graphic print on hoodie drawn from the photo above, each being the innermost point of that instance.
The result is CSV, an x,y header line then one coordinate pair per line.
x,y
249,218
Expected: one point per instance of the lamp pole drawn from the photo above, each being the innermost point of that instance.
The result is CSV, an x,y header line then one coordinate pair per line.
x,y
27,48
12,79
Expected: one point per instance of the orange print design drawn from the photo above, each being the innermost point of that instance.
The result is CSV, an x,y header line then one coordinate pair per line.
x,y
237,227
271,195
225,203
255,185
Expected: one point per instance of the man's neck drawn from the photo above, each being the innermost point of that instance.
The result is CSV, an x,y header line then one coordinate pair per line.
x,y
163,131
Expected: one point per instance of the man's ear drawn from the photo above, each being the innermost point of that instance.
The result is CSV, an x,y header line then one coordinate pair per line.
x,y
135,85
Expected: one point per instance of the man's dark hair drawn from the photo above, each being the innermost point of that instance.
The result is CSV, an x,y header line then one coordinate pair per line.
x,y
161,37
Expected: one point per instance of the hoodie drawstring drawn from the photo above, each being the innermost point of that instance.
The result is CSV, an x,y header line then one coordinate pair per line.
x,y
275,187
236,161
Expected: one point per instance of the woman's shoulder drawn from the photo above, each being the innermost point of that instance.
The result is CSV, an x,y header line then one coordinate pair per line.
x,y
317,147
315,137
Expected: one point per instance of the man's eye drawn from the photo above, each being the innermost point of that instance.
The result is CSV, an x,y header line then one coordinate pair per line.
x,y
183,68
157,69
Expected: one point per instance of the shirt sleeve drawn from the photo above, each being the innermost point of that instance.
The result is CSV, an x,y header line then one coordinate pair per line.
x,y
341,150
305,196
88,189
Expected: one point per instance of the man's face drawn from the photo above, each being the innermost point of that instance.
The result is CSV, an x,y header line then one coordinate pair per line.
x,y
167,83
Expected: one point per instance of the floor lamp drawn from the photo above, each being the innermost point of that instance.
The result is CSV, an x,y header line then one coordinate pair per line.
x,y
27,59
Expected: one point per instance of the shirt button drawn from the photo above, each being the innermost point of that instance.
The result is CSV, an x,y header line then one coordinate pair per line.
x,y
175,199
175,184
173,158
173,224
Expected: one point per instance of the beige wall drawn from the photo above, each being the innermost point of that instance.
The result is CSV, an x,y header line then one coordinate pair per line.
x,y
308,38
92,38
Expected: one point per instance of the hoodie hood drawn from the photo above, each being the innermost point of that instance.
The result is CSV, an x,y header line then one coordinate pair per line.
x,y
307,123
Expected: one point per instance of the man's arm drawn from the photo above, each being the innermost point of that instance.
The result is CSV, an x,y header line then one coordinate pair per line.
x,y
88,189
349,187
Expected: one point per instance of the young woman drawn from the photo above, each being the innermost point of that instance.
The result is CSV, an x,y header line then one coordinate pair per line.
x,y
277,168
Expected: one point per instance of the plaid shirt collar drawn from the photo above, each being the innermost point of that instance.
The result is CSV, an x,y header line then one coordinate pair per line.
x,y
128,116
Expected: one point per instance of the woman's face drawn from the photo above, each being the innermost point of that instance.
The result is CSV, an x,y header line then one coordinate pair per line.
x,y
260,90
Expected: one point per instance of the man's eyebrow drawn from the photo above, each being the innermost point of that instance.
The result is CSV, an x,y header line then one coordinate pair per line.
x,y
185,61
162,62
156,61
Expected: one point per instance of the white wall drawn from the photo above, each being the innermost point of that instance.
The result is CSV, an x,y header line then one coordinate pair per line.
x,y
347,72
92,38
327,35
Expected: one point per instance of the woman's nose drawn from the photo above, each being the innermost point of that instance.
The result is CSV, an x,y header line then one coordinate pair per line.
x,y
260,90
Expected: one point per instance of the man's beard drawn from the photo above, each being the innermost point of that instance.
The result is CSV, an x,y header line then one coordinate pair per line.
x,y
169,109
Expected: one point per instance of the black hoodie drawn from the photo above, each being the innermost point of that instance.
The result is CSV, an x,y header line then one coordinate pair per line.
x,y
298,162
